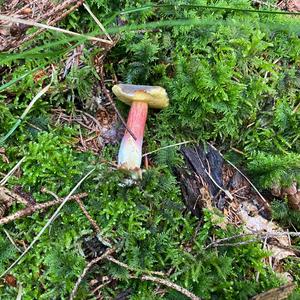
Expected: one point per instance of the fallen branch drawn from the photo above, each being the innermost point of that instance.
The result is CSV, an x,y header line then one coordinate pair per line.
x,y
87,268
38,207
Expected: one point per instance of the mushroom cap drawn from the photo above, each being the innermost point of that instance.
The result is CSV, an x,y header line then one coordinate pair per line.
x,y
155,96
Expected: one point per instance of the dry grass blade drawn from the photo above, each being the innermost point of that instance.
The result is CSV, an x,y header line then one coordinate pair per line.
x,y
257,236
47,224
97,21
11,172
44,26
11,240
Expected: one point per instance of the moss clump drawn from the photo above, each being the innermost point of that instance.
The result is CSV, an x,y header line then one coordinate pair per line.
x,y
233,80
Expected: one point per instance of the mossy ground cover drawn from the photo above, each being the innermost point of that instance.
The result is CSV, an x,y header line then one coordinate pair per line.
x,y
233,80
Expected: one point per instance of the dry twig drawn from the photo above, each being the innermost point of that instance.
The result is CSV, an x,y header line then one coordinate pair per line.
x,y
117,262
87,268
169,284
11,172
158,280
88,216
38,207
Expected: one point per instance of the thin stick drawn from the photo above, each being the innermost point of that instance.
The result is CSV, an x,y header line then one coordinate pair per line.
x,y
44,26
93,118
47,224
61,16
20,292
97,21
169,146
34,208
112,259
169,284
11,172
101,286
88,216
86,269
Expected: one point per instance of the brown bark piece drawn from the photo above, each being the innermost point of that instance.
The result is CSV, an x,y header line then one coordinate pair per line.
x,y
279,293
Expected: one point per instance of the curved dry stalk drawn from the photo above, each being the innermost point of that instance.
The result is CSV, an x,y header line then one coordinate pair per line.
x,y
44,26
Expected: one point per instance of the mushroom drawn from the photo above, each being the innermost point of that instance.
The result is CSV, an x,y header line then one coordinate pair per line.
x,y
139,97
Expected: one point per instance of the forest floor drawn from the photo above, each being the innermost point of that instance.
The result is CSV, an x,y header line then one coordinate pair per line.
x,y
216,212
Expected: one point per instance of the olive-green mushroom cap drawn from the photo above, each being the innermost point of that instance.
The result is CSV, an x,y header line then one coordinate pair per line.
x,y
155,96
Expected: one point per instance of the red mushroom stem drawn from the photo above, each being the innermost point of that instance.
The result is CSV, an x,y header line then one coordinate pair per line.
x,y
130,153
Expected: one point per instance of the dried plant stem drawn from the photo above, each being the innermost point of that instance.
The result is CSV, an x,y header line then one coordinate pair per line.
x,y
97,21
38,207
117,262
161,281
77,199
11,240
60,17
26,111
169,284
44,26
258,236
88,216
47,224
87,268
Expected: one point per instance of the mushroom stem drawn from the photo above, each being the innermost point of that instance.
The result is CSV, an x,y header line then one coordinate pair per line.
x,y
130,153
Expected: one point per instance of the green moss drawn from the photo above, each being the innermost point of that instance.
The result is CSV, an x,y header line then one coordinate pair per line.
x,y
232,80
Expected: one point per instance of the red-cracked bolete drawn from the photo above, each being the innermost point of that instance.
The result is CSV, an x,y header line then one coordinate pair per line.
x,y
139,97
